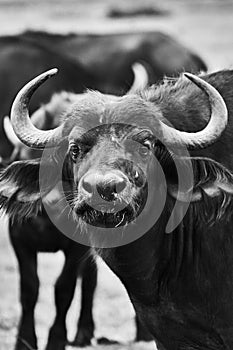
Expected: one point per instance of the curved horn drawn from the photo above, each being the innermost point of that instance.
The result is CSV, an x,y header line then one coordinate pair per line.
x,y
21,123
141,78
216,125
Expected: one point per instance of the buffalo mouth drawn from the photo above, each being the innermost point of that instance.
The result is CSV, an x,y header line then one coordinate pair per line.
x,y
101,218
105,218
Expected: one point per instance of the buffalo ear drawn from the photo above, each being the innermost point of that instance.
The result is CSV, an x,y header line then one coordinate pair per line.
x,y
20,194
212,188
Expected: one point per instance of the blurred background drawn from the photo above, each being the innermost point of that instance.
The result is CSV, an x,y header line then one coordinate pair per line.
x,y
203,26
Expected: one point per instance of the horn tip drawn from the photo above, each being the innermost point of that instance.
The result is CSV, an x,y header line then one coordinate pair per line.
x,y
136,66
53,71
6,118
188,75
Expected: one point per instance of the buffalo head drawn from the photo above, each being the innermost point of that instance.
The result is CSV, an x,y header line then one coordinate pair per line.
x,y
108,145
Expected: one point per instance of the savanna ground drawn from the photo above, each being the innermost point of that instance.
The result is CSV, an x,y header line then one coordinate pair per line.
x,y
206,27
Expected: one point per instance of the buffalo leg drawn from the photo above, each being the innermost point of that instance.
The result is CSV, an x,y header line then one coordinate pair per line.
x,y
85,331
64,292
29,287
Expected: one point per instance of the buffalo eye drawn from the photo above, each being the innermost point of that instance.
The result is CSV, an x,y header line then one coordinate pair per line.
x,y
145,148
74,152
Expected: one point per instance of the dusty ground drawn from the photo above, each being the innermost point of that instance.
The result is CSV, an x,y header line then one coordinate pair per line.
x,y
206,27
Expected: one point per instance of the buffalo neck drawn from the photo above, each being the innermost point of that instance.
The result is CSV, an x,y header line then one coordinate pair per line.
x,y
181,279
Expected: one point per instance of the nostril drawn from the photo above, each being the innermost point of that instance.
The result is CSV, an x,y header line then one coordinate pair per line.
x,y
106,192
120,186
87,186
109,191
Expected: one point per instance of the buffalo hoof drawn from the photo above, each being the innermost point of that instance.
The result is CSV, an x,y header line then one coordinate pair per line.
x,y
55,342
82,339
25,345
106,341
57,339
56,345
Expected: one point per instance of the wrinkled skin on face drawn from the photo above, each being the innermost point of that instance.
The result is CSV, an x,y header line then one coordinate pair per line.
x,y
110,188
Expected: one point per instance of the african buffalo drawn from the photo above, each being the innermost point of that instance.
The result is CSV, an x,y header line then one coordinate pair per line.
x,y
103,154
110,57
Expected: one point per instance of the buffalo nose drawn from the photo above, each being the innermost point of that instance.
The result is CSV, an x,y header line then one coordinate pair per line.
x,y
109,191
107,186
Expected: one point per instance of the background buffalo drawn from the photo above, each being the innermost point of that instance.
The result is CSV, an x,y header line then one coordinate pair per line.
x,y
85,61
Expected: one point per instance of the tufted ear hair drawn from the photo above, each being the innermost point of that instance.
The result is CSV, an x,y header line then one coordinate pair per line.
x,y
212,191
20,194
